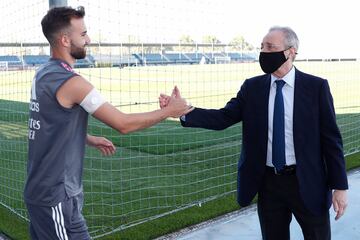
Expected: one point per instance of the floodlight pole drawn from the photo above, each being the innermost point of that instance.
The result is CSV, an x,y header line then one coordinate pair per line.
x,y
57,3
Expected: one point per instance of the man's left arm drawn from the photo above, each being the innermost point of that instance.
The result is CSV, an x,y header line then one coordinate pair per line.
x,y
331,141
332,150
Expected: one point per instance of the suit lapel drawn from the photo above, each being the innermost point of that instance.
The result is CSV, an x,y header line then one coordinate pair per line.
x,y
266,89
264,108
302,107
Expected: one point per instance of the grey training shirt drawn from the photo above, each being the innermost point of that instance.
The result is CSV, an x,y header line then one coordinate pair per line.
x,y
56,139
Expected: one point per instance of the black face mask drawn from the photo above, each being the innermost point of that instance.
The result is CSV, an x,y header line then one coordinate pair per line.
x,y
271,61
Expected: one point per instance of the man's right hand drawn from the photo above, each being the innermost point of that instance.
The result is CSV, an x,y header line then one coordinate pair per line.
x,y
177,107
164,99
174,99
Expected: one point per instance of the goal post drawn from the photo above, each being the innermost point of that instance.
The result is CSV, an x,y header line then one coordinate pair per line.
x,y
222,60
4,66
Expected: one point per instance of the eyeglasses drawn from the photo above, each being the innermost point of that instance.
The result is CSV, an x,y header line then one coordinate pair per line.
x,y
273,47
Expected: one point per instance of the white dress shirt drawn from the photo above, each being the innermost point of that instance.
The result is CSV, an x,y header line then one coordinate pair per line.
x,y
288,95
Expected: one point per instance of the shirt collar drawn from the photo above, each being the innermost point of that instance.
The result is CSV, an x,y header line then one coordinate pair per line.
x,y
289,78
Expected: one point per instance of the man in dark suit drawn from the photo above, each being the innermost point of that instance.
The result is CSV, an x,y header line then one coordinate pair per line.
x,y
291,146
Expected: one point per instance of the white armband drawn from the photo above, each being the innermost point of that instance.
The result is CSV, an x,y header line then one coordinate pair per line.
x,y
92,101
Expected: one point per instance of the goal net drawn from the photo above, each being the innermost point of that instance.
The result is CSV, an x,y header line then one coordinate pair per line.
x,y
166,168
222,60
3,66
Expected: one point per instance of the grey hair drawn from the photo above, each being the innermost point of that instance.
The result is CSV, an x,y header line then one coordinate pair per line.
x,y
291,39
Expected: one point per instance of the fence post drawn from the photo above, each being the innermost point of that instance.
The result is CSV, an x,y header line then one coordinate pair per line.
x,y
57,3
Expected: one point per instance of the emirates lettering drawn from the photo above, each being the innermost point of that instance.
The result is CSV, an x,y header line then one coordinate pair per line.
x,y
34,124
34,106
32,134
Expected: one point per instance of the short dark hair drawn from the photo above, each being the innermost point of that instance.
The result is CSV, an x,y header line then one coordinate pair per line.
x,y
57,19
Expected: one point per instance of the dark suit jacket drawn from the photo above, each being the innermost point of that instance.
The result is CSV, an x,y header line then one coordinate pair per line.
x,y
317,140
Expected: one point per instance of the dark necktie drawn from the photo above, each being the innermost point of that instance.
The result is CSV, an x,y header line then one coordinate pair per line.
x,y
278,141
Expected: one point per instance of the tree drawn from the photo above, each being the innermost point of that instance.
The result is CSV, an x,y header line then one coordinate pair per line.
x,y
186,39
212,40
135,40
238,43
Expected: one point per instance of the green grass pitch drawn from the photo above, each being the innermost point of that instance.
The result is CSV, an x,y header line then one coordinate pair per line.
x,y
165,167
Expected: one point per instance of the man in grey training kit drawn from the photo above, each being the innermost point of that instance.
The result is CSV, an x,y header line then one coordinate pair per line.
x,y
60,103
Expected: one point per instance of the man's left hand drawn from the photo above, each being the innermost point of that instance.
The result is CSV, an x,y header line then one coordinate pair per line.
x,y
339,201
105,146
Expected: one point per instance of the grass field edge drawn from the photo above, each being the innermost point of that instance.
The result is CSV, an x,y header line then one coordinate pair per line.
x,y
17,228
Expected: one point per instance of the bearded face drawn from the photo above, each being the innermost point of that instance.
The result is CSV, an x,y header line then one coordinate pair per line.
x,y
78,52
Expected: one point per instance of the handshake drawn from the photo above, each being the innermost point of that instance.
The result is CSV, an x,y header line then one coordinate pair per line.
x,y
175,105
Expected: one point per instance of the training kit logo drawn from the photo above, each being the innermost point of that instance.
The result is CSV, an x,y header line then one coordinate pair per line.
x,y
34,107
67,67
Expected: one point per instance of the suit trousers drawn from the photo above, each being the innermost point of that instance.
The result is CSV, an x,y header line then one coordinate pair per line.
x,y
279,198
